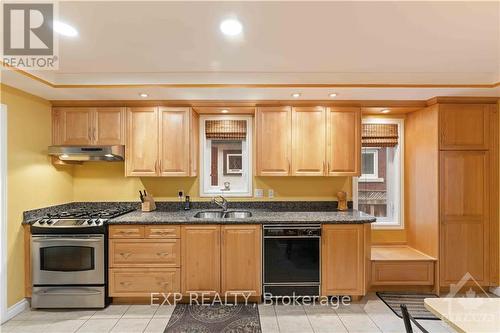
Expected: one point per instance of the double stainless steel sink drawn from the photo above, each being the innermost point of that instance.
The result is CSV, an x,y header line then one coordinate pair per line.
x,y
235,214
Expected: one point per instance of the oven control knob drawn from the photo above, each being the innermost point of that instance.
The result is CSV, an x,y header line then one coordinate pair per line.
x,y
49,222
90,221
41,221
97,222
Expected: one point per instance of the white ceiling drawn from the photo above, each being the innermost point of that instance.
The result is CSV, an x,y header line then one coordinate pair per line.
x,y
286,43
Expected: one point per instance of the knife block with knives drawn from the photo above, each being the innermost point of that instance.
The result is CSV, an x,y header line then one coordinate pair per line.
x,y
147,202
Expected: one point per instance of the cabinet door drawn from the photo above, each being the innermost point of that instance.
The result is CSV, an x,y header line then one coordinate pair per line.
x,y
308,141
109,126
194,144
142,282
72,126
144,253
241,259
274,141
464,207
200,259
174,141
464,126
343,141
343,260
141,156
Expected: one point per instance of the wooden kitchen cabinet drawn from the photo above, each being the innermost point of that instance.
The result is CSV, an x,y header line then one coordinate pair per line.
x,y
72,126
343,141
88,126
141,151
274,141
201,259
241,259
308,141
174,141
161,142
109,126
465,126
144,259
464,216
344,259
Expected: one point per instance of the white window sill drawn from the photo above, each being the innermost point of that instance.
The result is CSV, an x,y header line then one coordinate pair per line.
x,y
387,226
371,180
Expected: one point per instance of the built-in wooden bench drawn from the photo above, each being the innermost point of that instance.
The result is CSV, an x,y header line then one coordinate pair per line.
x,y
396,265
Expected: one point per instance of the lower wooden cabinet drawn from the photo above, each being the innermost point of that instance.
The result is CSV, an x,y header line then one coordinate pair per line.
x,y
200,259
144,252
141,282
241,259
345,256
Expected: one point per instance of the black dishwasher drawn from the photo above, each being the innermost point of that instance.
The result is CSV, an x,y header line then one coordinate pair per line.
x,y
291,260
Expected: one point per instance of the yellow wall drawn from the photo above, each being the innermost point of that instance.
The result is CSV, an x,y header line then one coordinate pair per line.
x,y
106,182
32,181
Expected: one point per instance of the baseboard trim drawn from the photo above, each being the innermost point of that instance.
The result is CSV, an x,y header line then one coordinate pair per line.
x,y
17,308
495,290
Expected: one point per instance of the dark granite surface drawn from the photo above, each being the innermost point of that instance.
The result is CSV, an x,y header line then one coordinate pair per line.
x,y
262,212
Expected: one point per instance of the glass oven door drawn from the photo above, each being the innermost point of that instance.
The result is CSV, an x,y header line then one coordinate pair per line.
x,y
68,259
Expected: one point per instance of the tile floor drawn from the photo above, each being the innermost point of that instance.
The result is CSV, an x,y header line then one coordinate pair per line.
x,y
368,315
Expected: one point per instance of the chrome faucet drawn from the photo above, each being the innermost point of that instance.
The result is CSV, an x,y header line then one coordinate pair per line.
x,y
221,202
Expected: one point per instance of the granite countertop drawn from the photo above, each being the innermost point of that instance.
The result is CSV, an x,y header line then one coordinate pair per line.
x,y
169,212
259,216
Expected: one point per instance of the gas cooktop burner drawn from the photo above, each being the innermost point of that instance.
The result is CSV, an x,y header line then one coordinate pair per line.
x,y
90,220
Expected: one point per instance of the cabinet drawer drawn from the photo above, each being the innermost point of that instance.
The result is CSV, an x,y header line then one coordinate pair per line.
x,y
144,253
162,231
130,282
126,231
403,273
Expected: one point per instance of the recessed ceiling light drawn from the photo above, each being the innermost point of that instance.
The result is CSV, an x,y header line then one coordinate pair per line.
x,y
385,111
296,95
143,95
332,95
224,111
65,29
231,27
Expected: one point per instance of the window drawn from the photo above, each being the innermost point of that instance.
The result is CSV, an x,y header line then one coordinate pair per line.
x,y
226,155
369,165
379,189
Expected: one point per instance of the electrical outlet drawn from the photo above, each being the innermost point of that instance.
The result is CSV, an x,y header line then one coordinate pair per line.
x,y
180,194
270,193
259,193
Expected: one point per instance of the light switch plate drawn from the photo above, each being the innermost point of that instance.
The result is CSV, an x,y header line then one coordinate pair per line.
x,y
259,193
270,193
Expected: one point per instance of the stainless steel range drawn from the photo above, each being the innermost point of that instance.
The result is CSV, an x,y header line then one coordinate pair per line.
x,y
68,253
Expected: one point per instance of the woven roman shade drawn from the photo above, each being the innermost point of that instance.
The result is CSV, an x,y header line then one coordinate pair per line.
x,y
379,135
226,129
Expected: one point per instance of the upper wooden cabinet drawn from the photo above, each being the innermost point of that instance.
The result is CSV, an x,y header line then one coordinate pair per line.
x,y
343,141
308,141
161,142
241,259
174,141
141,155
345,256
109,126
465,126
88,126
200,259
274,141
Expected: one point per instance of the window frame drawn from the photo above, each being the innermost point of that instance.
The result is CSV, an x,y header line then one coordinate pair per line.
x,y
247,148
399,204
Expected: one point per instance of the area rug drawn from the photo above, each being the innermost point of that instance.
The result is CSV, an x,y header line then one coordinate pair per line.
x,y
238,318
414,303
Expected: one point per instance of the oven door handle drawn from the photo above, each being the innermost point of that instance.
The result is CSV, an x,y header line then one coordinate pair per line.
x,y
85,240
55,293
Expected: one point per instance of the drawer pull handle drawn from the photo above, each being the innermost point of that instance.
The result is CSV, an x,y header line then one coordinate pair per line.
x,y
126,232
162,254
125,254
161,232
126,284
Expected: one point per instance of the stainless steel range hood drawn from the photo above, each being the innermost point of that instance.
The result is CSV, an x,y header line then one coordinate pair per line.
x,y
88,153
